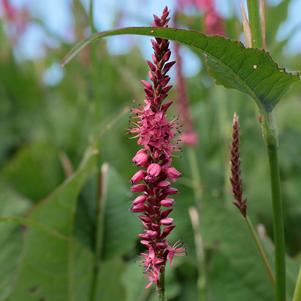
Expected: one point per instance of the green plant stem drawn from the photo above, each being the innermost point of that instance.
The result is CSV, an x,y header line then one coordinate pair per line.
x,y
196,178
260,250
254,20
270,135
200,255
99,233
91,16
197,188
297,292
271,138
161,287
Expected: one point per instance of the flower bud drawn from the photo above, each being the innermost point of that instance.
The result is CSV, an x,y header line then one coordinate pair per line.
x,y
163,184
165,213
166,221
138,176
172,173
154,169
138,188
141,158
167,202
171,190
138,208
139,200
166,231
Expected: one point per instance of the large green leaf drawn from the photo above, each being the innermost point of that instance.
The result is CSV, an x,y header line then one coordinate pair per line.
x,y
109,285
54,266
121,226
248,70
118,226
10,237
227,234
32,164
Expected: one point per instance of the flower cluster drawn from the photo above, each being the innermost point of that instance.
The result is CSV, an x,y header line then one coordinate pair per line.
x,y
16,18
155,135
188,136
235,179
213,22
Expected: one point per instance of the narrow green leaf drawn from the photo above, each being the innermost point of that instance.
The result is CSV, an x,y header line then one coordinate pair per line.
x,y
248,70
55,268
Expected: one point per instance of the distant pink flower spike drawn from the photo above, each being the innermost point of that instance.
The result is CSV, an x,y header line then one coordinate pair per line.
x,y
213,22
16,18
155,134
188,136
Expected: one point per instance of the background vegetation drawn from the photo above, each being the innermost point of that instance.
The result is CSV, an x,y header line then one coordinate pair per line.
x,y
58,243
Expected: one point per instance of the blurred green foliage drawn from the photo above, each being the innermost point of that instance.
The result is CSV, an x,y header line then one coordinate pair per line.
x,y
48,199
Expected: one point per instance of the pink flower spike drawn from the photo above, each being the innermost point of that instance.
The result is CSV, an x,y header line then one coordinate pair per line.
x,y
154,169
156,136
189,138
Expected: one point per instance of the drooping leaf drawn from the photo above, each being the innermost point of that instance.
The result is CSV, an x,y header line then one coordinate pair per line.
x,y
53,266
251,71
10,237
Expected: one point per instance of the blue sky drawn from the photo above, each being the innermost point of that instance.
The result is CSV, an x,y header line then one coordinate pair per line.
x,y
57,16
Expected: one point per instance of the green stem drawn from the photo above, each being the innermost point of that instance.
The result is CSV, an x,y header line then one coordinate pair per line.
x,y
197,188
99,234
161,286
200,255
91,16
196,178
260,250
297,293
254,20
270,135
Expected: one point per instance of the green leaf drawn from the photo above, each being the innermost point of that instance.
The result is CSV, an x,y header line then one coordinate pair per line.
x,y
248,70
32,164
245,277
54,266
121,226
10,237
109,284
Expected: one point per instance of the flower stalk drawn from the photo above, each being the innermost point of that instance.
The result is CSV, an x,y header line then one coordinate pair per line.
x,y
255,24
256,17
271,139
297,292
239,201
